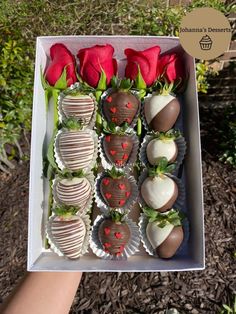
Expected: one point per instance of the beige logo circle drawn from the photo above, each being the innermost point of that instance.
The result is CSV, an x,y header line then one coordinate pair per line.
x,y
205,33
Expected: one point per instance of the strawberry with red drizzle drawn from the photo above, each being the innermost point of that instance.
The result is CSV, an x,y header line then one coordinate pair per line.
x,y
114,234
117,144
121,105
115,188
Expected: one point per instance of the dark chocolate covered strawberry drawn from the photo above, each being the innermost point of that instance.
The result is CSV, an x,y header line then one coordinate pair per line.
x,y
164,231
117,144
114,234
115,188
121,105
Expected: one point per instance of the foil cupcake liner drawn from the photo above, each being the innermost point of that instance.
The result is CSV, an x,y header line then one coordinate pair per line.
x,y
181,189
108,165
60,163
61,114
143,222
53,245
181,145
130,249
88,205
130,202
107,93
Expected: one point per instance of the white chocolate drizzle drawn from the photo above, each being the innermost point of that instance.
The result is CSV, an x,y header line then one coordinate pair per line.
x,y
78,106
74,192
69,236
75,149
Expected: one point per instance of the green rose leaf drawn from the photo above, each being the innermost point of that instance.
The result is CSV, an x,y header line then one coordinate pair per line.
x,y
139,81
61,83
102,84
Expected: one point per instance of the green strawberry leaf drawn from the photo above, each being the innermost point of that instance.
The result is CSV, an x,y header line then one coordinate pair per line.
x,y
115,174
125,84
114,82
65,211
116,216
43,80
72,124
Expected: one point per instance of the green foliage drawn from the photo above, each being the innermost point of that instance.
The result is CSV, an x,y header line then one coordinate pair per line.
x,y
204,71
229,309
228,136
162,168
173,217
16,88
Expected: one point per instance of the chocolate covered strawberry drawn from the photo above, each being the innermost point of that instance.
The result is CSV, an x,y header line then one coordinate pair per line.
x,y
161,111
159,190
121,105
115,188
67,231
162,145
114,234
164,231
117,144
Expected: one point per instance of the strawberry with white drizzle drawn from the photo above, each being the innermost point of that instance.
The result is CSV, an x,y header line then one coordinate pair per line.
x,y
67,231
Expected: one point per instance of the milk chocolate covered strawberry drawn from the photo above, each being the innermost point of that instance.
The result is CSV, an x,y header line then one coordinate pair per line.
x,y
120,105
117,144
115,188
159,190
114,234
164,231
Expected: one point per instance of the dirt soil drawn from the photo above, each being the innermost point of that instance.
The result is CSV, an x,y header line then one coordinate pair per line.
x,y
189,292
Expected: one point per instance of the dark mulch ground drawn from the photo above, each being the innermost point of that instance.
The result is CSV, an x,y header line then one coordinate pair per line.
x,y
189,292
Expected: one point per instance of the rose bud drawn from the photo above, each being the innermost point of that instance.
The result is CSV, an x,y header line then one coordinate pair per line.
x,y
97,60
61,58
144,61
170,66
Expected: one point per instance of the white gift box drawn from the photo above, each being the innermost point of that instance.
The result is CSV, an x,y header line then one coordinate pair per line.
x,y
192,257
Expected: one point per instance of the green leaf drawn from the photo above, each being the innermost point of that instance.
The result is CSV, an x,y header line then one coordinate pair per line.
x,y
72,124
61,83
116,216
114,82
102,84
114,173
65,211
125,84
98,94
139,81
43,80
50,152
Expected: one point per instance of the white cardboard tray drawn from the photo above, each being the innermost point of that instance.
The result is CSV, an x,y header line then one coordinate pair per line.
x,y
192,257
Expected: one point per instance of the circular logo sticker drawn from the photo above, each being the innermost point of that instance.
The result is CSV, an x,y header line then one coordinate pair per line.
x,y
205,33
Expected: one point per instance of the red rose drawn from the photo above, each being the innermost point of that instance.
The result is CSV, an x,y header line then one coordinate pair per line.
x,y
171,67
60,57
147,62
95,59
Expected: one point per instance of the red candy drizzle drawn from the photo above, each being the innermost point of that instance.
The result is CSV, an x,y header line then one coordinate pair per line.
x,y
125,156
114,119
112,152
127,194
107,245
113,109
129,105
108,138
121,202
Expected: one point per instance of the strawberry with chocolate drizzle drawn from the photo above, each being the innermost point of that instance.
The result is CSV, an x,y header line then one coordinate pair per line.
x,y
120,105
115,188
117,144
114,233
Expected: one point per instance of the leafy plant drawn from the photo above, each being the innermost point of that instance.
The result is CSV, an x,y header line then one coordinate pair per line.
x,y
16,81
162,168
229,309
173,217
